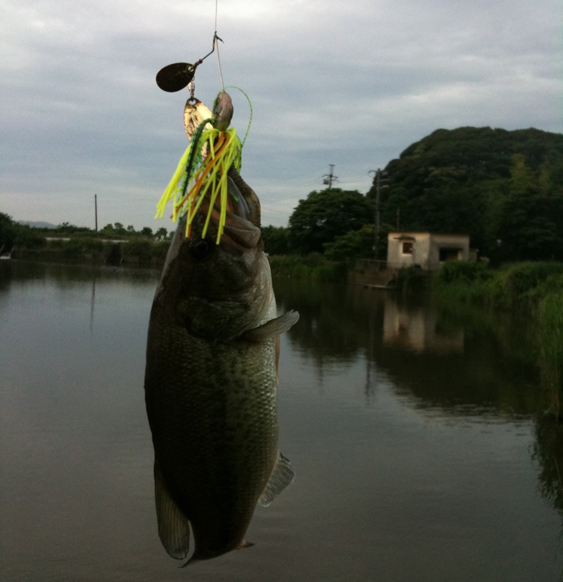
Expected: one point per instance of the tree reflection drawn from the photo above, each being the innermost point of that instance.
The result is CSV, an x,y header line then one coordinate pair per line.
x,y
458,360
548,452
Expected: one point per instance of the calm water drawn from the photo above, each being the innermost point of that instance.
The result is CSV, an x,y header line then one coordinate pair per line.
x,y
411,430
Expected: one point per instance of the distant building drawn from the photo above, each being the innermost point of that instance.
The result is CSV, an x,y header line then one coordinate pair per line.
x,y
425,250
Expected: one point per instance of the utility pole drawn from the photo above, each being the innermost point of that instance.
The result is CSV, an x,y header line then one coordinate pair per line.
x,y
330,177
96,210
379,185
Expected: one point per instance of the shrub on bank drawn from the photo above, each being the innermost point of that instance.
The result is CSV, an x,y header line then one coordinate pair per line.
x,y
462,271
312,266
137,250
536,288
515,285
550,323
159,250
523,279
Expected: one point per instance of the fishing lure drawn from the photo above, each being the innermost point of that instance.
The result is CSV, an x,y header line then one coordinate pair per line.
x,y
203,168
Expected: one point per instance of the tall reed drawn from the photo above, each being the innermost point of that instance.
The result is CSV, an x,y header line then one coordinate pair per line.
x,y
550,323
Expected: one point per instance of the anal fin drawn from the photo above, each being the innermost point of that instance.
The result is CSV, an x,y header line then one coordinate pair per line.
x,y
282,476
173,526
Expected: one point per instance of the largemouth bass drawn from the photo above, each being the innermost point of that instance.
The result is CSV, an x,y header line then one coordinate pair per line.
x,y
211,381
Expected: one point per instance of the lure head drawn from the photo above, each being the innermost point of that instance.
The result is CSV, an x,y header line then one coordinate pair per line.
x,y
223,111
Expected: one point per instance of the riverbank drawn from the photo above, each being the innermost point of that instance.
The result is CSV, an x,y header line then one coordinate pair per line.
x,y
145,252
313,266
148,253
535,289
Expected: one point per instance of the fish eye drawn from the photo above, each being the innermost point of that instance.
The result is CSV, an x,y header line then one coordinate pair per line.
x,y
200,249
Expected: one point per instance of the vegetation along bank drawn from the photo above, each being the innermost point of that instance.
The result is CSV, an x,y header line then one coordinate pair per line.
x,y
534,288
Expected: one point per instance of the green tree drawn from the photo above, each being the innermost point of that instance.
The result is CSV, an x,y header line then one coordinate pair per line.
x,y
522,179
161,233
146,231
323,216
355,244
276,240
29,237
7,232
530,222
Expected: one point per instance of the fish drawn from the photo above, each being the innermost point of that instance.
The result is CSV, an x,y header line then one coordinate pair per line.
x,y
211,382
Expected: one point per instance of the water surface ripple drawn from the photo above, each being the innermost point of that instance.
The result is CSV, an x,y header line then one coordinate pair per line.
x,y
412,431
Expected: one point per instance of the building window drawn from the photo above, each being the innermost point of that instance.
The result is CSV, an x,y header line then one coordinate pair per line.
x,y
407,248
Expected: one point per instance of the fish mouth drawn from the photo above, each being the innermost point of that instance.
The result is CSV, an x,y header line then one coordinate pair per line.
x,y
239,235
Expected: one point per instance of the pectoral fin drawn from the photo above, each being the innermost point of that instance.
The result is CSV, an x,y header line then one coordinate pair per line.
x,y
173,526
282,476
272,328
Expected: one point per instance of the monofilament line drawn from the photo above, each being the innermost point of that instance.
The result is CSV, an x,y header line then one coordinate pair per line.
x,y
216,40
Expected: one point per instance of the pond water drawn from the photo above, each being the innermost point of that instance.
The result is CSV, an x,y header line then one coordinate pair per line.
x,y
412,431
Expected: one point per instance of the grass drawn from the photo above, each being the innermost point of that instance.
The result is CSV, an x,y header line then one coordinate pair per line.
x,y
532,288
550,325
313,266
92,250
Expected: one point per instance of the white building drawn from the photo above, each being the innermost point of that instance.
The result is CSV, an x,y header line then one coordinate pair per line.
x,y
425,250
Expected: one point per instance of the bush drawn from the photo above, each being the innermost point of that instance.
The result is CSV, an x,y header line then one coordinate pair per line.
x,y
552,285
411,280
312,266
159,250
355,244
462,271
141,249
72,249
522,278
29,238
550,320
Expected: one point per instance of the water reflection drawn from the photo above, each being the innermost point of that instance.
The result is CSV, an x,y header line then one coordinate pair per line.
x,y
548,452
430,473
418,329
437,359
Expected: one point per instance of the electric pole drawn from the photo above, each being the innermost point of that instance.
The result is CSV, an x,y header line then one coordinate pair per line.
x,y
379,185
330,177
96,210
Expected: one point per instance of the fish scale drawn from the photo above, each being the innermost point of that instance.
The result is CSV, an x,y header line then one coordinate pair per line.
x,y
211,389
219,442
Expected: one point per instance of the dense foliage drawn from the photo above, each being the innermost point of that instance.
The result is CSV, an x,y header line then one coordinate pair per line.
x,y
322,216
535,287
276,240
357,244
7,232
503,188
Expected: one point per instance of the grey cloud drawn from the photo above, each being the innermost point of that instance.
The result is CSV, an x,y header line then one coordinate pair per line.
x,y
352,84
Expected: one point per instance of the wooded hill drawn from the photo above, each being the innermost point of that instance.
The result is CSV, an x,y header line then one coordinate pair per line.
x,y
503,188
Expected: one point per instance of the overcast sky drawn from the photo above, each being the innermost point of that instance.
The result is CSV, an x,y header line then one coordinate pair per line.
x,y
347,83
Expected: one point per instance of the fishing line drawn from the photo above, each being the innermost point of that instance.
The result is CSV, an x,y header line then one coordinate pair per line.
x,y
215,39
249,105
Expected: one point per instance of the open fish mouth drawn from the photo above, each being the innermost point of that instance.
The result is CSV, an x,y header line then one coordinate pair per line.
x,y
239,234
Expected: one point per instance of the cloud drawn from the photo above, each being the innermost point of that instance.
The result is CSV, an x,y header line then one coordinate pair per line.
x,y
351,84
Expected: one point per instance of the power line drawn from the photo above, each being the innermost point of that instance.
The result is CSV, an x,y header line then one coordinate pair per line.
x,y
330,177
